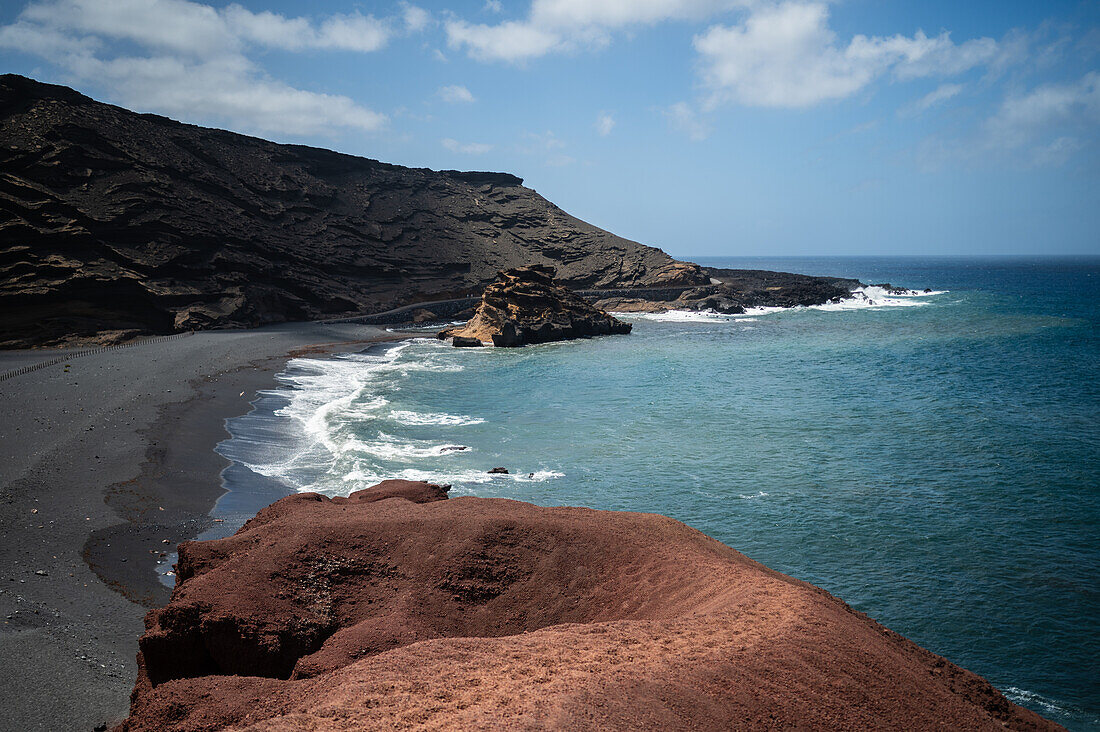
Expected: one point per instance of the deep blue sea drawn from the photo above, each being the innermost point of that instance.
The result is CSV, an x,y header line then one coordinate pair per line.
x,y
932,460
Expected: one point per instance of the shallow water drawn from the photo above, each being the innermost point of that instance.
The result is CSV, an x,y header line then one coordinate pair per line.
x,y
932,460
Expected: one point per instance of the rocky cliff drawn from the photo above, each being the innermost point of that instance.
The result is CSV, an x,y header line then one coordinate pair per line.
x,y
526,305
117,221
400,608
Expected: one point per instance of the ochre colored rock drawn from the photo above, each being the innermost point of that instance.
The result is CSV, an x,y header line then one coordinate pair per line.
x,y
525,305
396,609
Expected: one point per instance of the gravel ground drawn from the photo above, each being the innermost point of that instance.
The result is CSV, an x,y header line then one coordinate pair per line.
x,y
105,462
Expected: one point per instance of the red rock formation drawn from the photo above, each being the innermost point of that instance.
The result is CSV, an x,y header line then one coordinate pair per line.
x,y
474,613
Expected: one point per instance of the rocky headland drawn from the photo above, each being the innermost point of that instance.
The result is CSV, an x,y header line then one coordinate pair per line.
x,y
527,305
116,223
731,291
398,607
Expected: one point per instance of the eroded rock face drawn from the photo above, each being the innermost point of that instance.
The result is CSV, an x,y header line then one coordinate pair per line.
x,y
395,608
116,221
526,305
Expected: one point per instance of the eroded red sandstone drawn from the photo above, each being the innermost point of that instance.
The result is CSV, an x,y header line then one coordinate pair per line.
x,y
394,608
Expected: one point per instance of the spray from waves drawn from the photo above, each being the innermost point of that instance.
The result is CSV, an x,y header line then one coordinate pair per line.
x,y
539,476
329,428
684,316
402,416
1049,706
388,447
862,298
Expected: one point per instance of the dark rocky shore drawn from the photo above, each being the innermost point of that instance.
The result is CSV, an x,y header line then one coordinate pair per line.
x,y
116,223
397,607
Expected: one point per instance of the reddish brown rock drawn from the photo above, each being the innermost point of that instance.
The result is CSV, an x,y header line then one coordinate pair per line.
x,y
478,613
526,305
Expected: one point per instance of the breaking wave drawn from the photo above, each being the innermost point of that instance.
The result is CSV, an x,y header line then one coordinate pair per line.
x,y
862,298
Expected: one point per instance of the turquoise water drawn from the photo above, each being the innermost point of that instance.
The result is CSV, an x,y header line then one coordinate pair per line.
x,y
934,460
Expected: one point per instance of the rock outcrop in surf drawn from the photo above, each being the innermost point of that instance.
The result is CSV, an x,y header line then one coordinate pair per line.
x,y
731,291
133,223
398,607
526,305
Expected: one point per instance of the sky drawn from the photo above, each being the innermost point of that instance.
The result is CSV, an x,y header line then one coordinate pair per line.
x,y
704,127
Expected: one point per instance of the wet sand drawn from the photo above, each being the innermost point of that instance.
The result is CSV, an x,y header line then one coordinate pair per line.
x,y
104,465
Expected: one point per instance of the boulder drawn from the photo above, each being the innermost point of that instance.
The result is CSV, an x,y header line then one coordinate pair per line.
x,y
526,305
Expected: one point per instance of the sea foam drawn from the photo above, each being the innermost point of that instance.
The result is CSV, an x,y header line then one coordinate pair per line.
x,y
862,298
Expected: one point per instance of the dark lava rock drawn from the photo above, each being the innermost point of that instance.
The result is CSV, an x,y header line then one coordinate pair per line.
x,y
125,222
396,608
463,342
526,305
499,471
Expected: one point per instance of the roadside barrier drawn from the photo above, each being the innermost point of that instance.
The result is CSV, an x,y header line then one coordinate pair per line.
x,y
91,352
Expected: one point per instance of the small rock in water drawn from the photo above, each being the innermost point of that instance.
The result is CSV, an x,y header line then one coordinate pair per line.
x,y
500,471
453,448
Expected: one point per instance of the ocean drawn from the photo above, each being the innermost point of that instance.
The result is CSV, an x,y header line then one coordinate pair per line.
x,y
931,459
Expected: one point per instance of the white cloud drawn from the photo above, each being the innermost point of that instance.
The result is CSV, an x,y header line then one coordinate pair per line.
x,y
466,148
621,13
493,6
190,60
509,41
555,26
1047,109
684,118
604,124
416,18
539,142
1043,127
456,94
361,33
787,56
940,95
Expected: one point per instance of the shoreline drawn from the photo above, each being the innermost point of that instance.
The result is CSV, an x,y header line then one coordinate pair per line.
x,y
109,461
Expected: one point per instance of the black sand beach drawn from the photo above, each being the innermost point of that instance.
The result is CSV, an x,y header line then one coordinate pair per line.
x,y
108,461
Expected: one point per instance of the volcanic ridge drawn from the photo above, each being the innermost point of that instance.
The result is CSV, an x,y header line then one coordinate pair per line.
x,y
400,608
116,223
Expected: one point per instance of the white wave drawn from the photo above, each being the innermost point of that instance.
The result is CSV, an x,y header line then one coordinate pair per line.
x,y
861,298
435,418
681,316
1023,696
538,476
388,447
445,476
878,297
750,496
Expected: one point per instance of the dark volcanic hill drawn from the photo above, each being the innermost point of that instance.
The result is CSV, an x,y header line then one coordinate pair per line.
x,y
112,220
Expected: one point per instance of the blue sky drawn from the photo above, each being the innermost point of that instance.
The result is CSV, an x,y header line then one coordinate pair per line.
x,y
705,127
